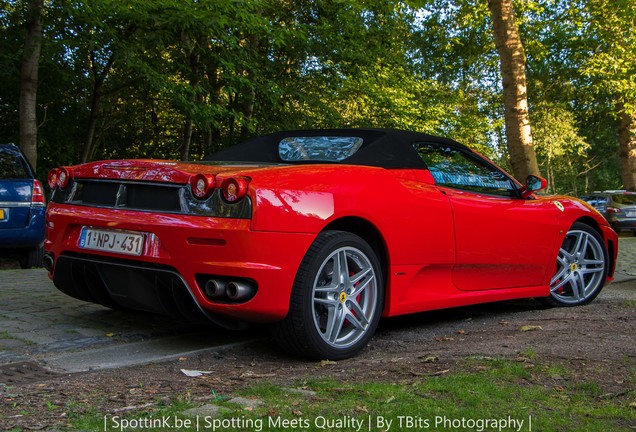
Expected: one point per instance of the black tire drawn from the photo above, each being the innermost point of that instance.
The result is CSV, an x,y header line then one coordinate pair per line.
x,y
329,319
32,258
581,268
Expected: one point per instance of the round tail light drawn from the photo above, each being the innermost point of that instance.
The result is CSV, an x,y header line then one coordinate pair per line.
x,y
202,185
234,188
63,177
52,178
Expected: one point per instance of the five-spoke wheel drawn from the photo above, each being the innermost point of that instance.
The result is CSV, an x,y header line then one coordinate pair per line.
x,y
581,268
336,299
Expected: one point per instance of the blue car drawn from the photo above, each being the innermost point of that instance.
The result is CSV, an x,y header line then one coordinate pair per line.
x,y
22,208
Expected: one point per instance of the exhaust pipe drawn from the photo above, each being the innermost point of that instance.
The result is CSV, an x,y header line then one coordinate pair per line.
x,y
240,290
47,263
215,288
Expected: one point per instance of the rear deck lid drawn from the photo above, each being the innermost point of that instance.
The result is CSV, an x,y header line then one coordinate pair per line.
x,y
15,203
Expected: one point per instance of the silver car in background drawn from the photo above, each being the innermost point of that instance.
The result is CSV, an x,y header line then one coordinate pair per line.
x,y
617,206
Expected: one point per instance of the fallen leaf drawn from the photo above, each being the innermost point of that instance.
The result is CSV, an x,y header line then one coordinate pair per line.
x,y
461,332
194,373
527,328
327,362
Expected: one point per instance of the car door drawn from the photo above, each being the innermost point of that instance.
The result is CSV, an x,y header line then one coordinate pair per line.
x,y
501,240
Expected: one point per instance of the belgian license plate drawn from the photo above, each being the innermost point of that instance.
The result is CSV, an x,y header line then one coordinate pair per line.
x,y
122,242
631,214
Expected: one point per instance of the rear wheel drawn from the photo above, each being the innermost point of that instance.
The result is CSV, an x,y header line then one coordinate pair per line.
x,y
32,258
336,299
581,268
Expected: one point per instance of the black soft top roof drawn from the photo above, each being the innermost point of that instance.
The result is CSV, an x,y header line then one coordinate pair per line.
x,y
386,148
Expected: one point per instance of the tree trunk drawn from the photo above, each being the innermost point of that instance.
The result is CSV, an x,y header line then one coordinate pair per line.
x,y
512,61
194,58
98,90
89,147
29,82
249,96
627,152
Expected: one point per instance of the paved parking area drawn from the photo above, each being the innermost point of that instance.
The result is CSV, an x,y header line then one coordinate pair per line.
x,y
626,264
39,323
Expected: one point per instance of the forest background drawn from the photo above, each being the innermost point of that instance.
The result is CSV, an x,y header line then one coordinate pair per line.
x,y
99,79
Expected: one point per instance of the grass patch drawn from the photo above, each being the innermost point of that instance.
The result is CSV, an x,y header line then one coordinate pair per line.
x,y
5,335
489,394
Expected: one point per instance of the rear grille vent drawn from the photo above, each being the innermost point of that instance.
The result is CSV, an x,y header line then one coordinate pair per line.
x,y
135,196
150,197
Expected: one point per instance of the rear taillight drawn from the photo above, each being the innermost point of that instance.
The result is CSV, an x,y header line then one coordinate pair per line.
x,y
234,188
52,178
37,197
59,178
612,210
202,185
63,177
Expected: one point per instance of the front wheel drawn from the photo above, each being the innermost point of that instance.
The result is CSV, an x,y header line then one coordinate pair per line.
x,y
336,299
581,268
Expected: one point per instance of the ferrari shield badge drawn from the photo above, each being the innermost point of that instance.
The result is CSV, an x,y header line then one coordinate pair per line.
x,y
558,205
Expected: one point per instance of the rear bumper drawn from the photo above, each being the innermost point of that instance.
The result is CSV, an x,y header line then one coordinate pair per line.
x,y
180,254
29,236
623,224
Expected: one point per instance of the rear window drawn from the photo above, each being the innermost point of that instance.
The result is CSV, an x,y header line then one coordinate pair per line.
x,y
12,166
318,148
624,199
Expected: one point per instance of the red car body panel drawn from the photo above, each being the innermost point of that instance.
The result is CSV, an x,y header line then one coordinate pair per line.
x,y
442,247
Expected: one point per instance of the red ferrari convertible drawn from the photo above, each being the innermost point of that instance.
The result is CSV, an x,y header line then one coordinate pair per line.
x,y
320,233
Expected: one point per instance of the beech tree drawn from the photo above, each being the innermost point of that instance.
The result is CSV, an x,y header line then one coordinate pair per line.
x,y
512,61
29,81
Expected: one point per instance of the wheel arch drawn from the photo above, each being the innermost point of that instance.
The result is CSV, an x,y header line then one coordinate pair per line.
x,y
369,233
611,247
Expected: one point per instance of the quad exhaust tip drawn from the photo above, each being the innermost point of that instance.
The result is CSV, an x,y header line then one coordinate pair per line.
x,y
233,291
240,290
47,262
215,288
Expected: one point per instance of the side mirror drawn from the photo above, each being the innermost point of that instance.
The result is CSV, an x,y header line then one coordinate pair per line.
x,y
533,184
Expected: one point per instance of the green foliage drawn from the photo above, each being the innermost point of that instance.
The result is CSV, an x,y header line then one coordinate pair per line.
x,y
613,61
563,152
132,79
